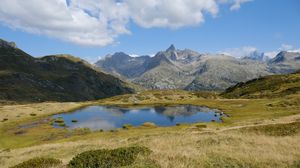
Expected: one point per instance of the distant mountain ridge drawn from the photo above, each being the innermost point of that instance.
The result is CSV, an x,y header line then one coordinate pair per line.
x,y
190,70
53,78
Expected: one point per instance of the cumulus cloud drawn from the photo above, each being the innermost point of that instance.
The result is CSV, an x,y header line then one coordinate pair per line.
x,y
100,22
76,22
239,52
170,13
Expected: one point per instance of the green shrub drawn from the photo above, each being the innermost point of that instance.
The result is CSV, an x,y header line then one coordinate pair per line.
x,y
32,114
127,126
39,162
74,121
105,158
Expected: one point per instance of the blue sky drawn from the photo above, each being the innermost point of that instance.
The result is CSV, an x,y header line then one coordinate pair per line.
x,y
265,25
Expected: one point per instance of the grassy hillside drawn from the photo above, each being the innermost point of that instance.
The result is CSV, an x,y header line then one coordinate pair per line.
x,y
53,78
266,87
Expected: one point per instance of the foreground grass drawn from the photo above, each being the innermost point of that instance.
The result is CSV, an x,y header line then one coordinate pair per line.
x,y
263,139
184,148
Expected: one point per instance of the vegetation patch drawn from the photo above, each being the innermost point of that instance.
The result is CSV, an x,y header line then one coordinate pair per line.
x,y
276,129
201,126
59,120
105,158
39,162
149,124
127,126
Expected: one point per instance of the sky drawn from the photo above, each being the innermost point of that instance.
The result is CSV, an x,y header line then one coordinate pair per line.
x,y
91,29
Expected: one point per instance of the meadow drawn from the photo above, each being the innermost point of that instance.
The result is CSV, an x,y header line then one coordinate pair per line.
x,y
261,132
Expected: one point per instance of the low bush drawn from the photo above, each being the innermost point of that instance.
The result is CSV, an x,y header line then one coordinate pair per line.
x,y
39,162
127,126
105,158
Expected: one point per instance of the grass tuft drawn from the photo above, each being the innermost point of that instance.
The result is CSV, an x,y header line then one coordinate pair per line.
x,y
39,162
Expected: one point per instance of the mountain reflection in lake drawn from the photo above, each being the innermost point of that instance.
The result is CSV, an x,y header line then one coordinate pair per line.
x,y
112,117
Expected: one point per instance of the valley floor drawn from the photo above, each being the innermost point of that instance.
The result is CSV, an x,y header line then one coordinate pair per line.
x,y
257,133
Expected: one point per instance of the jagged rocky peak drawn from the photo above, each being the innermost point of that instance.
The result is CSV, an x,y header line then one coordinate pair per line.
x,y
171,48
285,56
4,43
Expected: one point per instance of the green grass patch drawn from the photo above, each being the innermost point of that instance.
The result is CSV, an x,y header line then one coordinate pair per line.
x,y
275,129
39,162
105,158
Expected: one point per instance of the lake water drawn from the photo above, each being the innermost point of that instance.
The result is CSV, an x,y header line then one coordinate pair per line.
x,y
112,117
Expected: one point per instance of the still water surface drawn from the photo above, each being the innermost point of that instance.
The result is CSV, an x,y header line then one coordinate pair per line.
x,y
112,117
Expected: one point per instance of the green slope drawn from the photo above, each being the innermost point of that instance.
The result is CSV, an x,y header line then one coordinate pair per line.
x,y
266,87
53,78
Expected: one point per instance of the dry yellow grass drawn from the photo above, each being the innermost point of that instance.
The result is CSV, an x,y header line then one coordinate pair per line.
x,y
24,111
218,145
181,149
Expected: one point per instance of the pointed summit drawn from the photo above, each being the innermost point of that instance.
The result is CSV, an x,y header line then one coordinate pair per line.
x,y
171,48
4,43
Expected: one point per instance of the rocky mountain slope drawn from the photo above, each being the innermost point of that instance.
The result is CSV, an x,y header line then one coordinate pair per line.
x,y
52,78
190,70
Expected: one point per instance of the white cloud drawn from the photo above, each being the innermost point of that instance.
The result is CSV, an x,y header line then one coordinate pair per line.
x,y
286,47
271,54
69,23
170,13
237,4
134,55
239,52
100,22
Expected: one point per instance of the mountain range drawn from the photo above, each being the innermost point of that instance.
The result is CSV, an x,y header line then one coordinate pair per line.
x,y
53,78
68,78
190,70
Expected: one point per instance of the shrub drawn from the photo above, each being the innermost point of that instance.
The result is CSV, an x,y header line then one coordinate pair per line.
x,y
32,114
4,119
105,158
127,126
74,121
39,162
